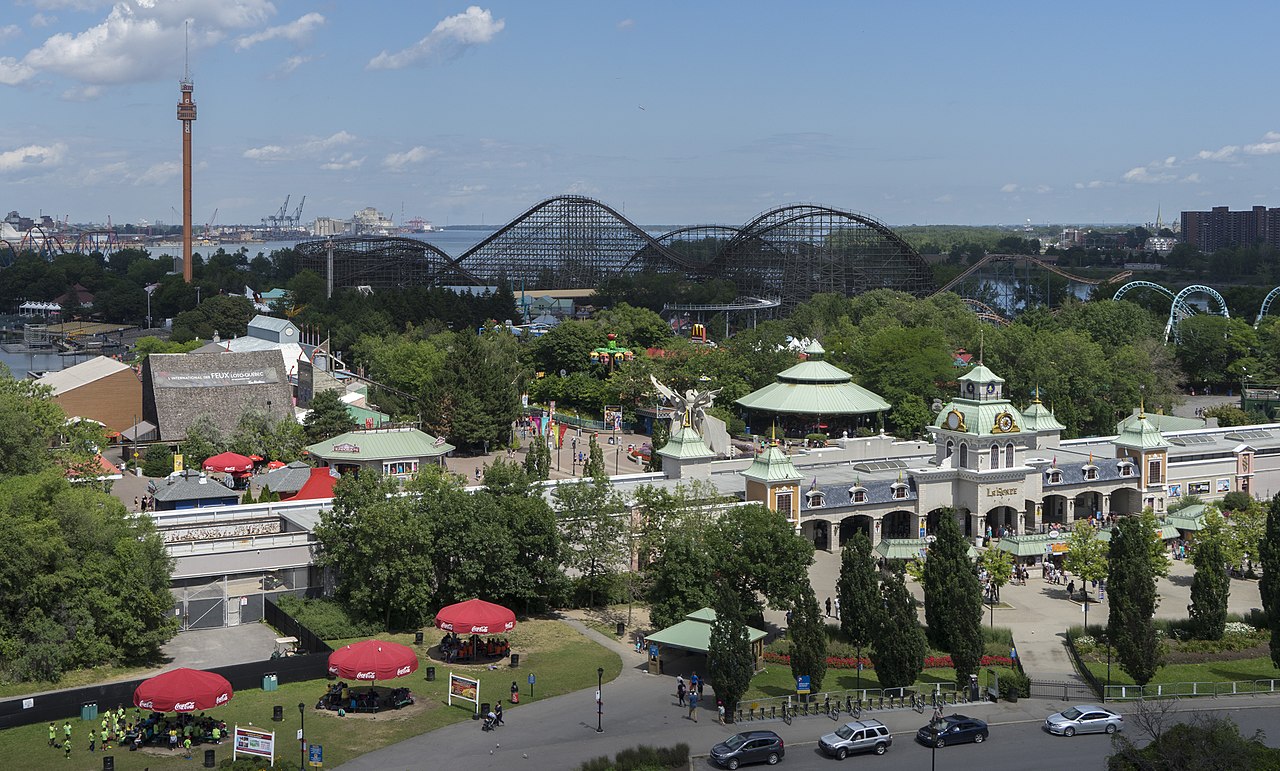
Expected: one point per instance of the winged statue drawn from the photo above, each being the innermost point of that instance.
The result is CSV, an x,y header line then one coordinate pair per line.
x,y
691,406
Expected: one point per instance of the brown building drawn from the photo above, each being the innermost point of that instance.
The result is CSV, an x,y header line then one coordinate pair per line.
x,y
178,388
100,389
1209,231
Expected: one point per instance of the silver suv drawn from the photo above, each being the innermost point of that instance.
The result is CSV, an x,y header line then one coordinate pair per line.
x,y
858,736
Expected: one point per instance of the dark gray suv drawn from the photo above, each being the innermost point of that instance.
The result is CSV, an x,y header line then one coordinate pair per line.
x,y
748,747
858,736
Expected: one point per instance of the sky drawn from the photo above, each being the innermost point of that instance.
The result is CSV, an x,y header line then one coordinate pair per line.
x,y
672,112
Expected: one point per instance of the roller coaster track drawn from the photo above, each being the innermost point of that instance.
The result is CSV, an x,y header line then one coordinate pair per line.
x,y
985,312
1266,305
1179,308
992,258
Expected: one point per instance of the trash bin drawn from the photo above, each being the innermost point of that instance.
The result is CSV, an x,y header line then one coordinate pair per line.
x,y
515,659
431,673
89,710
484,708
622,629
417,637
209,761
277,713
270,682
109,763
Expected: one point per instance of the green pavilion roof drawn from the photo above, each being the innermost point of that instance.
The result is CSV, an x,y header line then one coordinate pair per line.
x,y
694,633
814,387
1190,518
1161,422
1029,545
772,465
685,444
1037,417
1167,532
380,445
1141,434
907,548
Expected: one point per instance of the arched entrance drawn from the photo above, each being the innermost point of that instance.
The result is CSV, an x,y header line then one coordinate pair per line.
x,y
818,531
1088,505
899,524
931,519
1054,510
852,524
1002,520
1126,500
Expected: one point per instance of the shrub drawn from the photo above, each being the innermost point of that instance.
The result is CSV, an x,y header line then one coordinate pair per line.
x,y
326,618
1012,682
816,440
641,758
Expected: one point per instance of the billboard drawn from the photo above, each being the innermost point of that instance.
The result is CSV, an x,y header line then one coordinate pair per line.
x,y
251,741
214,378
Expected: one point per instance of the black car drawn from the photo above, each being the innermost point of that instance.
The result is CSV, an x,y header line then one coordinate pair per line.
x,y
952,729
749,747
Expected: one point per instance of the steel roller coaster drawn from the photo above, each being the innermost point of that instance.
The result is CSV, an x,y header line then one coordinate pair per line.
x,y
569,242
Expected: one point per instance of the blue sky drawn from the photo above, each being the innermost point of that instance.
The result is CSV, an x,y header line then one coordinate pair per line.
x,y
676,112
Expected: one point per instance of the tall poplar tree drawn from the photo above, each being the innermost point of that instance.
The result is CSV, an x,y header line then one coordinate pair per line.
x,y
731,664
1211,585
953,597
1131,593
858,591
899,645
1270,583
594,466
808,637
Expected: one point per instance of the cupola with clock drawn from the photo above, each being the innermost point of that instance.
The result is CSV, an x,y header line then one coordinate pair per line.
x,y
981,427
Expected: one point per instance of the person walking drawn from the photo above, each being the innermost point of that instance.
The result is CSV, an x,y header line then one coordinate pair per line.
x,y
186,744
693,705
66,748
720,711
53,736
828,606
93,740
837,606
1071,588
680,691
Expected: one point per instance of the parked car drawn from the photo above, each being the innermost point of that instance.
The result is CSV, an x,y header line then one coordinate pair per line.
x,y
858,736
1084,719
953,729
749,747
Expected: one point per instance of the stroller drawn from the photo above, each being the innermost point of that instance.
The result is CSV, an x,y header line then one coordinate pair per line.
x,y
490,720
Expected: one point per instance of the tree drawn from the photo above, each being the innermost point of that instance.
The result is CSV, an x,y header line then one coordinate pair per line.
x,y
1157,554
1211,585
858,590
204,440
808,637
680,581
328,417
1208,741
657,440
731,663
591,518
472,398
999,566
1086,555
537,458
1269,586
594,467
1244,533
1131,585
953,597
762,553
910,416
158,461
897,651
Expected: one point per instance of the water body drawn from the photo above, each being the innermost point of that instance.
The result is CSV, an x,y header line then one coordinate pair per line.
x,y
454,242
20,364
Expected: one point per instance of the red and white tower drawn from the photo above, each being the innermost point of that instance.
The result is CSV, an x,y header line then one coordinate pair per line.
x,y
186,114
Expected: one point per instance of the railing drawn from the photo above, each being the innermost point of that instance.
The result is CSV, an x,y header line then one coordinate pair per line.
x,y
235,513
237,543
852,702
1191,690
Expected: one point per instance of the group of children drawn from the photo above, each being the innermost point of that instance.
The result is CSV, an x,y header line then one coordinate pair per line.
x,y
120,730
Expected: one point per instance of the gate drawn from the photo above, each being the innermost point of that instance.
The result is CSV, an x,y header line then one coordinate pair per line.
x,y
1066,691
202,606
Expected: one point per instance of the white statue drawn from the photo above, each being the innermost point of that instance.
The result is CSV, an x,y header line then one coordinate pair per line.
x,y
691,407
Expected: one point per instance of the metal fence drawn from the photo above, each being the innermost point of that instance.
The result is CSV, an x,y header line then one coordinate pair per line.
x,y
1057,689
1191,690
853,703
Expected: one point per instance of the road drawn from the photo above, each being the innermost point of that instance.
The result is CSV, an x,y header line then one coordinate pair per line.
x,y
1011,746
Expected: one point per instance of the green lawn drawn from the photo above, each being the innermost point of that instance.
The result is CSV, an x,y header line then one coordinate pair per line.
x,y
1213,671
562,658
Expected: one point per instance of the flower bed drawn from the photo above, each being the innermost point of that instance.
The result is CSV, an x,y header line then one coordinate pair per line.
x,y
851,662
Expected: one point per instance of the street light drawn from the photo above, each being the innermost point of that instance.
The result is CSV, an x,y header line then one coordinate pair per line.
x,y
302,729
599,701
149,289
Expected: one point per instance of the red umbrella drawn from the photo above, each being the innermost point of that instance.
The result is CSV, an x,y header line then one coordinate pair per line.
x,y
229,462
275,464
182,690
475,617
373,660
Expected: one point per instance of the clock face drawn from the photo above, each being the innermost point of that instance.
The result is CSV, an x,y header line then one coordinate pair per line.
x,y
953,420
991,388
1005,422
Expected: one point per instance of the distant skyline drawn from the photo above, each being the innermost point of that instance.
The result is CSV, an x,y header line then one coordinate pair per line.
x,y
680,113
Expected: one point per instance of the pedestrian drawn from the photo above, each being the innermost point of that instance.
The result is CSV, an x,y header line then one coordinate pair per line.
x,y
53,736
701,685
66,730
693,705
515,693
695,683
680,692
106,736
1071,588
720,711
186,744
66,748
837,607
788,619
93,739
828,606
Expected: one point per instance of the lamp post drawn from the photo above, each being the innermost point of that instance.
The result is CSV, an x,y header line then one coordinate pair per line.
x,y
617,457
1104,692
302,729
149,289
599,700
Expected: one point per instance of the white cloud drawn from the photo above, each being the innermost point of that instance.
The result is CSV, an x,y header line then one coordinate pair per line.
x,y
82,93
1269,147
13,72
1143,175
307,148
343,162
140,39
1192,178
626,24
1224,153
158,174
40,20
944,198
293,63
31,157
1009,188
410,157
298,31
9,31
450,38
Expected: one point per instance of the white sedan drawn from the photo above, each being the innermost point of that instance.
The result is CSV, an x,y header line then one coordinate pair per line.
x,y
1084,719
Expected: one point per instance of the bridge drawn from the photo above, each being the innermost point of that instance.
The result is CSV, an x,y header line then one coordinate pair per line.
x,y
573,242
